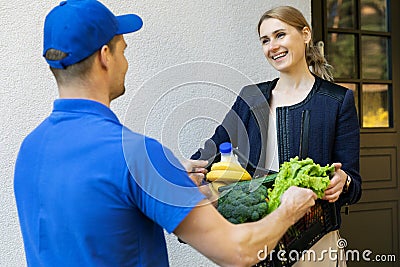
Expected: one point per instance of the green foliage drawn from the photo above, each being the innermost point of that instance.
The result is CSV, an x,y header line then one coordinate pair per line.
x,y
303,173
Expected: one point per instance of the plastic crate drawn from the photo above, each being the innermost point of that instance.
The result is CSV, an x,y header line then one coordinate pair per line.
x,y
303,235
321,220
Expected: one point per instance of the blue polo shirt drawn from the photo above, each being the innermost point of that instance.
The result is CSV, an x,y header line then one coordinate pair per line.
x,y
90,192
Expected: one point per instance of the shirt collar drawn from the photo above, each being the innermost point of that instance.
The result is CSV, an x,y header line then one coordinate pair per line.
x,y
84,106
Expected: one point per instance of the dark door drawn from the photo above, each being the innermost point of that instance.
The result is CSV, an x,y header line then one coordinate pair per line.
x,y
362,43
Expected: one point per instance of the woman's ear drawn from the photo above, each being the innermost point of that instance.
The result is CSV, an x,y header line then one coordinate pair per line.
x,y
307,34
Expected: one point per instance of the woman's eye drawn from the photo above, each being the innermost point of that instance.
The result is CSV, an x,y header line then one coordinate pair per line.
x,y
280,35
264,41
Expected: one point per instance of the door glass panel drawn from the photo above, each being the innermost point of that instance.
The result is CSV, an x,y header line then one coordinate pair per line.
x,y
375,105
375,57
341,55
374,15
352,87
341,14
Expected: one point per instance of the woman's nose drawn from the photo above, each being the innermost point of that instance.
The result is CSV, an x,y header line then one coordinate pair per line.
x,y
273,45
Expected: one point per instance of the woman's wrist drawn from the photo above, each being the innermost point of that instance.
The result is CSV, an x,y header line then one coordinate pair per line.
x,y
346,185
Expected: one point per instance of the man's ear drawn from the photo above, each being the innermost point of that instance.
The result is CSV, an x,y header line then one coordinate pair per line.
x,y
105,56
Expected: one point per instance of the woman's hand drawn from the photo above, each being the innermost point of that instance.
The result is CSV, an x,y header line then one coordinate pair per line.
x,y
335,188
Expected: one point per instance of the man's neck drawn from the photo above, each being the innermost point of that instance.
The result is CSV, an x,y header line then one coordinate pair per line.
x,y
84,91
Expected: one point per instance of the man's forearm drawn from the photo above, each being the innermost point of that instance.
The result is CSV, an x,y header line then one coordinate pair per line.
x,y
255,240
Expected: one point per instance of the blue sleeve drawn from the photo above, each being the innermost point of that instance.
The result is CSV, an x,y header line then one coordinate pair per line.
x,y
347,147
162,190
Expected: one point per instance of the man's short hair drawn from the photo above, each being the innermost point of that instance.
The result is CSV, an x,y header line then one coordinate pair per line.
x,y
78,70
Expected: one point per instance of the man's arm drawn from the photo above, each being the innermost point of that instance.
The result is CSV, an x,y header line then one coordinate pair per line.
x,y
239,245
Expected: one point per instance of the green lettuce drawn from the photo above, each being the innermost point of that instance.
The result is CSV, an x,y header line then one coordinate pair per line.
x,y
303,173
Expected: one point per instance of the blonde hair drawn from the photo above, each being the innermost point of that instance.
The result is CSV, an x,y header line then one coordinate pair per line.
x,y
293,17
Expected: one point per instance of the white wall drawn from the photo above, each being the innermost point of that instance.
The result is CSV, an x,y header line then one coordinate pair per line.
x,y
186,65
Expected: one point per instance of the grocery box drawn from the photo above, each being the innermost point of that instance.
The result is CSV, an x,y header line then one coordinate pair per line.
x,y
303,235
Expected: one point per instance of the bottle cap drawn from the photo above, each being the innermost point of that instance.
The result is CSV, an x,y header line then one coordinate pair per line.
x,y
225,147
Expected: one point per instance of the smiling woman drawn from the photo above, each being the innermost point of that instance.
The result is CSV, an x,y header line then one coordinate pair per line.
x,y
285,21
302,114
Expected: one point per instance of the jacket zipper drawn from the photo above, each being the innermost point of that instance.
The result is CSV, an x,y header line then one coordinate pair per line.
x,y
304,134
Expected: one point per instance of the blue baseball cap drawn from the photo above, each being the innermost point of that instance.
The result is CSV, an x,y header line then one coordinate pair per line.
x,y
81,27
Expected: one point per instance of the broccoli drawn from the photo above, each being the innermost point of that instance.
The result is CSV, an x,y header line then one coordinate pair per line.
x,y
243,203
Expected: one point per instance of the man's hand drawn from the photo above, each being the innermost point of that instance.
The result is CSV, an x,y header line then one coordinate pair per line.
x,y
197,172
195,169
297,201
